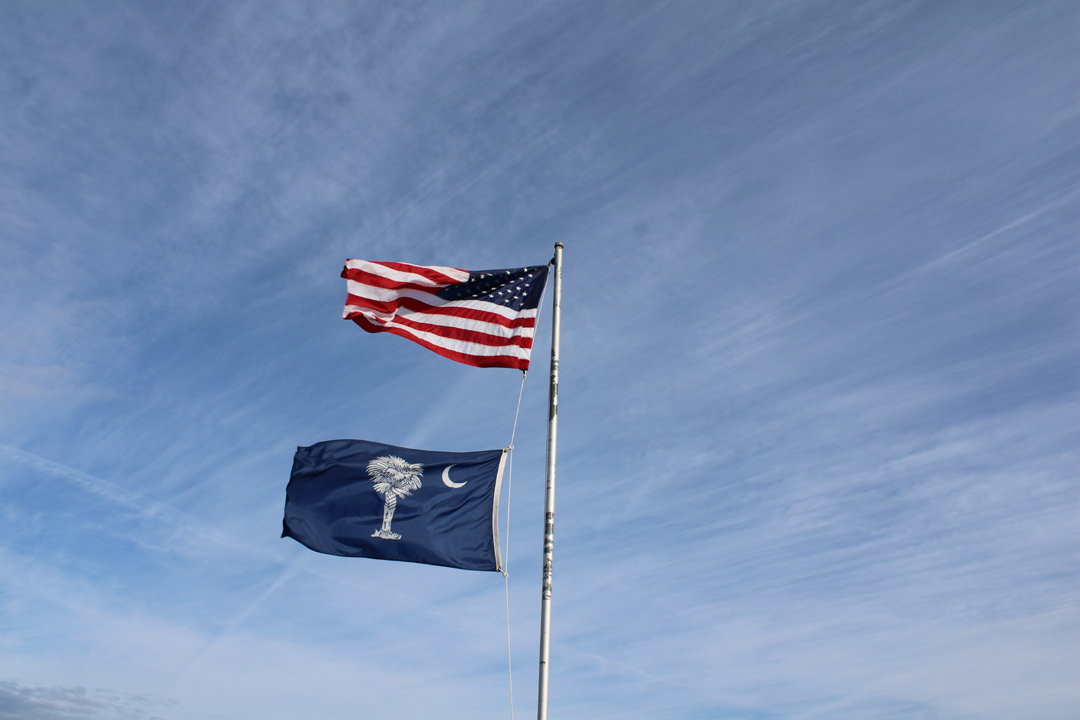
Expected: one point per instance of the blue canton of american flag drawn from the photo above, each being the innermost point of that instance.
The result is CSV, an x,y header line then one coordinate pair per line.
x,y
484,318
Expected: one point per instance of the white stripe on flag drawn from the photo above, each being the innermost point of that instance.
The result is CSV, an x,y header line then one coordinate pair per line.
x,y
467,348
453,274
377,294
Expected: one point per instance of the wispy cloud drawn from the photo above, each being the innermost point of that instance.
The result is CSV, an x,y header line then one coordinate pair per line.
x,y
818,385
63,703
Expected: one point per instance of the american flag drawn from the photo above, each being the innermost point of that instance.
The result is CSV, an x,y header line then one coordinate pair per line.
x,y
484,318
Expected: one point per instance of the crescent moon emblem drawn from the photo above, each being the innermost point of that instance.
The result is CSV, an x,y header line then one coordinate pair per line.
x,y
446,478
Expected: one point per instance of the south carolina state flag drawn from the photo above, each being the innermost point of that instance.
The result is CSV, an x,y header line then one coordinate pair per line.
x,y
363,499
484,318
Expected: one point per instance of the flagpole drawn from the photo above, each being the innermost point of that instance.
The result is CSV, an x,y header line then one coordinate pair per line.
x,y
549,494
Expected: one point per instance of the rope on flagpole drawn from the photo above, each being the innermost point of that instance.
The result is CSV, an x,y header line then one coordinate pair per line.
x,y
510,475
509,660
509,486
506,554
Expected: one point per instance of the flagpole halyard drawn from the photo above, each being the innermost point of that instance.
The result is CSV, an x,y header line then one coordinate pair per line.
x,y
549,494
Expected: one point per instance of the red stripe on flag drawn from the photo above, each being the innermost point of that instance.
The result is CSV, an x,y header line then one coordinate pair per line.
x,y
463,335
430,273
506,361
420,306
366,278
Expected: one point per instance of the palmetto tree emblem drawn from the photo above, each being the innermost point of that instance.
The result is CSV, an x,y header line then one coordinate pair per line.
x,y
393,478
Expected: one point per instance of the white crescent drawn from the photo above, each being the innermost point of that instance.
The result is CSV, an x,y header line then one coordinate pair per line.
x,y
446,478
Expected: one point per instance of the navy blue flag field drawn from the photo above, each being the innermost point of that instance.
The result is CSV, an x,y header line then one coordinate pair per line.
x,y
364,499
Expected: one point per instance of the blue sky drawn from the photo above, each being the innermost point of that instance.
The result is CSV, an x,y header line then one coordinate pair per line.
x,y
818,428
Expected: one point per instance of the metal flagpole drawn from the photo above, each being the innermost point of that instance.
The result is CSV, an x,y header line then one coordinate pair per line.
x,y
549,494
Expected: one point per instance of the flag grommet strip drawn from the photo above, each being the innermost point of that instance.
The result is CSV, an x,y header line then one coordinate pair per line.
x,y
495,511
